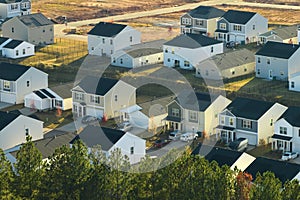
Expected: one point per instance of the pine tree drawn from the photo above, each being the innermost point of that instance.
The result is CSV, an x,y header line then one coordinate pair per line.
x,y
6,177
291,190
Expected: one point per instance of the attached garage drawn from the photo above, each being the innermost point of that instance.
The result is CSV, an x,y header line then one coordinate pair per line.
x,y
8,98
252,139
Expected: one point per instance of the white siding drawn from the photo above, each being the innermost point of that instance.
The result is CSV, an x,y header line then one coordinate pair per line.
x,y
261,26
33,101
294,83
18,51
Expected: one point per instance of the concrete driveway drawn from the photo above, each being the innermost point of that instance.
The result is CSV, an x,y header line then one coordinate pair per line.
x,y
5,105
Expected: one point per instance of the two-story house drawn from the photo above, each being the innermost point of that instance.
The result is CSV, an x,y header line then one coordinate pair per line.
x,y
34,28
102,96
277,60
106,38
240,26
249,118
187,50
287,131
195,112
201,20
12,8
110,139
18,80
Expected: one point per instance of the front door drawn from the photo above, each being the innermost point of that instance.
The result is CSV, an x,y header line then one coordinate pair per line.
x,y
228,37
176,63
291,148
270,74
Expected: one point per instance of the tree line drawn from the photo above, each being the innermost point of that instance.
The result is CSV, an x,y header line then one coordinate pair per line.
x,y
75,173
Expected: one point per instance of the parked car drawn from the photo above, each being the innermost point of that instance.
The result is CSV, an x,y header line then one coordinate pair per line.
x,y
161,143
175,135
232,44
89,119
289,155
239,144
188,136
125,126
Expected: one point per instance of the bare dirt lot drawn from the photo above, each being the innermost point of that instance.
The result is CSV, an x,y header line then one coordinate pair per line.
x,y
281,2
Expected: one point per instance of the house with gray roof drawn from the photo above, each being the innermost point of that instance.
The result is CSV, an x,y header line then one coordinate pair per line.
x,y
286,34
227,65
34,28
201,20
100,97
146,53
277,60
13,8
16,81
248,118
195,112
110,139
106,38
188,50
14,49
240,26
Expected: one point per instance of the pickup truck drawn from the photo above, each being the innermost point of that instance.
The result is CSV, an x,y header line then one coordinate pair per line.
x,y
289,155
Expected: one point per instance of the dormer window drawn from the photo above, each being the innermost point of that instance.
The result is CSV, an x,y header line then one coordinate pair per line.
x,y
222,26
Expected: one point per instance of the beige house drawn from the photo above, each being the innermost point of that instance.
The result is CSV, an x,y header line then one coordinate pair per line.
x,y
97,97
34,28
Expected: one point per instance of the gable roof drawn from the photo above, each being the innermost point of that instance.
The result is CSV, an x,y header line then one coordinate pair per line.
x,y
106,29
35,20
64,90
278,50
238,17
292,116
282,170
11,72
95,85
13,44
286,32
6,118
206,12
156,107
192,41
3,39
93,135
249,108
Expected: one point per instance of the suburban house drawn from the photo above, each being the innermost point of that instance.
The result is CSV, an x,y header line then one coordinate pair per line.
x,y
12,8
240,26
227,65
14,128
249,118
48,99
201,20
15,48
16,81
287,131
146,53
277,60
106,38
286,34
100,97
187,50
148,115
195,112
34,28
110,139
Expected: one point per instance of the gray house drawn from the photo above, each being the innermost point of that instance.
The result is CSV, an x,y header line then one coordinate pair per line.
x,y
248,118
34,28
286,34
200,20
12,8
227,65
277,60
240,26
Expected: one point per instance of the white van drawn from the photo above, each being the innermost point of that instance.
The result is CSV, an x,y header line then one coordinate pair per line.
x,y
188,136
240,144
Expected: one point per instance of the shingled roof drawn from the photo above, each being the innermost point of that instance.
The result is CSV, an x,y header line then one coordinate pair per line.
x,y
35,20
6,118
238,17
11,72
106,29
278,50
206,12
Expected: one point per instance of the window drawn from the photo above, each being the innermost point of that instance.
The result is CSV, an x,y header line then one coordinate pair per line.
x,y
222,26
111,41
292,84
258,59
103,40
6,85
24,51
175,112
130,38
192,116
116,97
186,21
51,29
111,51
206,72
131,150
92,48
253,27
271,122
245,69
169,60
232,71
74,108
12,29
28,83
186,63
95,99
231,121
43,30
14,6
237,27
79,96
58,103
26,131
258,71
299,133
166,50
172,51
199,22
114,60
281,73
283,130
121,61
222,120
268,61
211,49
158,58
247,124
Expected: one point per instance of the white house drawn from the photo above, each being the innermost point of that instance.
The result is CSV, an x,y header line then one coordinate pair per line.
x,y
110,139
287,34
106,38
102,96
287,131
277,60
17,49
187,50
201,20
227,65
195,112
12,8
18,80
14,129
249,118
240,26
137,55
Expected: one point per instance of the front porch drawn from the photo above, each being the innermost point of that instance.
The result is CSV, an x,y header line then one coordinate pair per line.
x,y
283,143
225,134
174,123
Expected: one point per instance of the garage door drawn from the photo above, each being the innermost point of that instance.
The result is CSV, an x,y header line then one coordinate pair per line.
x,y
251,138
94,112
8,98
